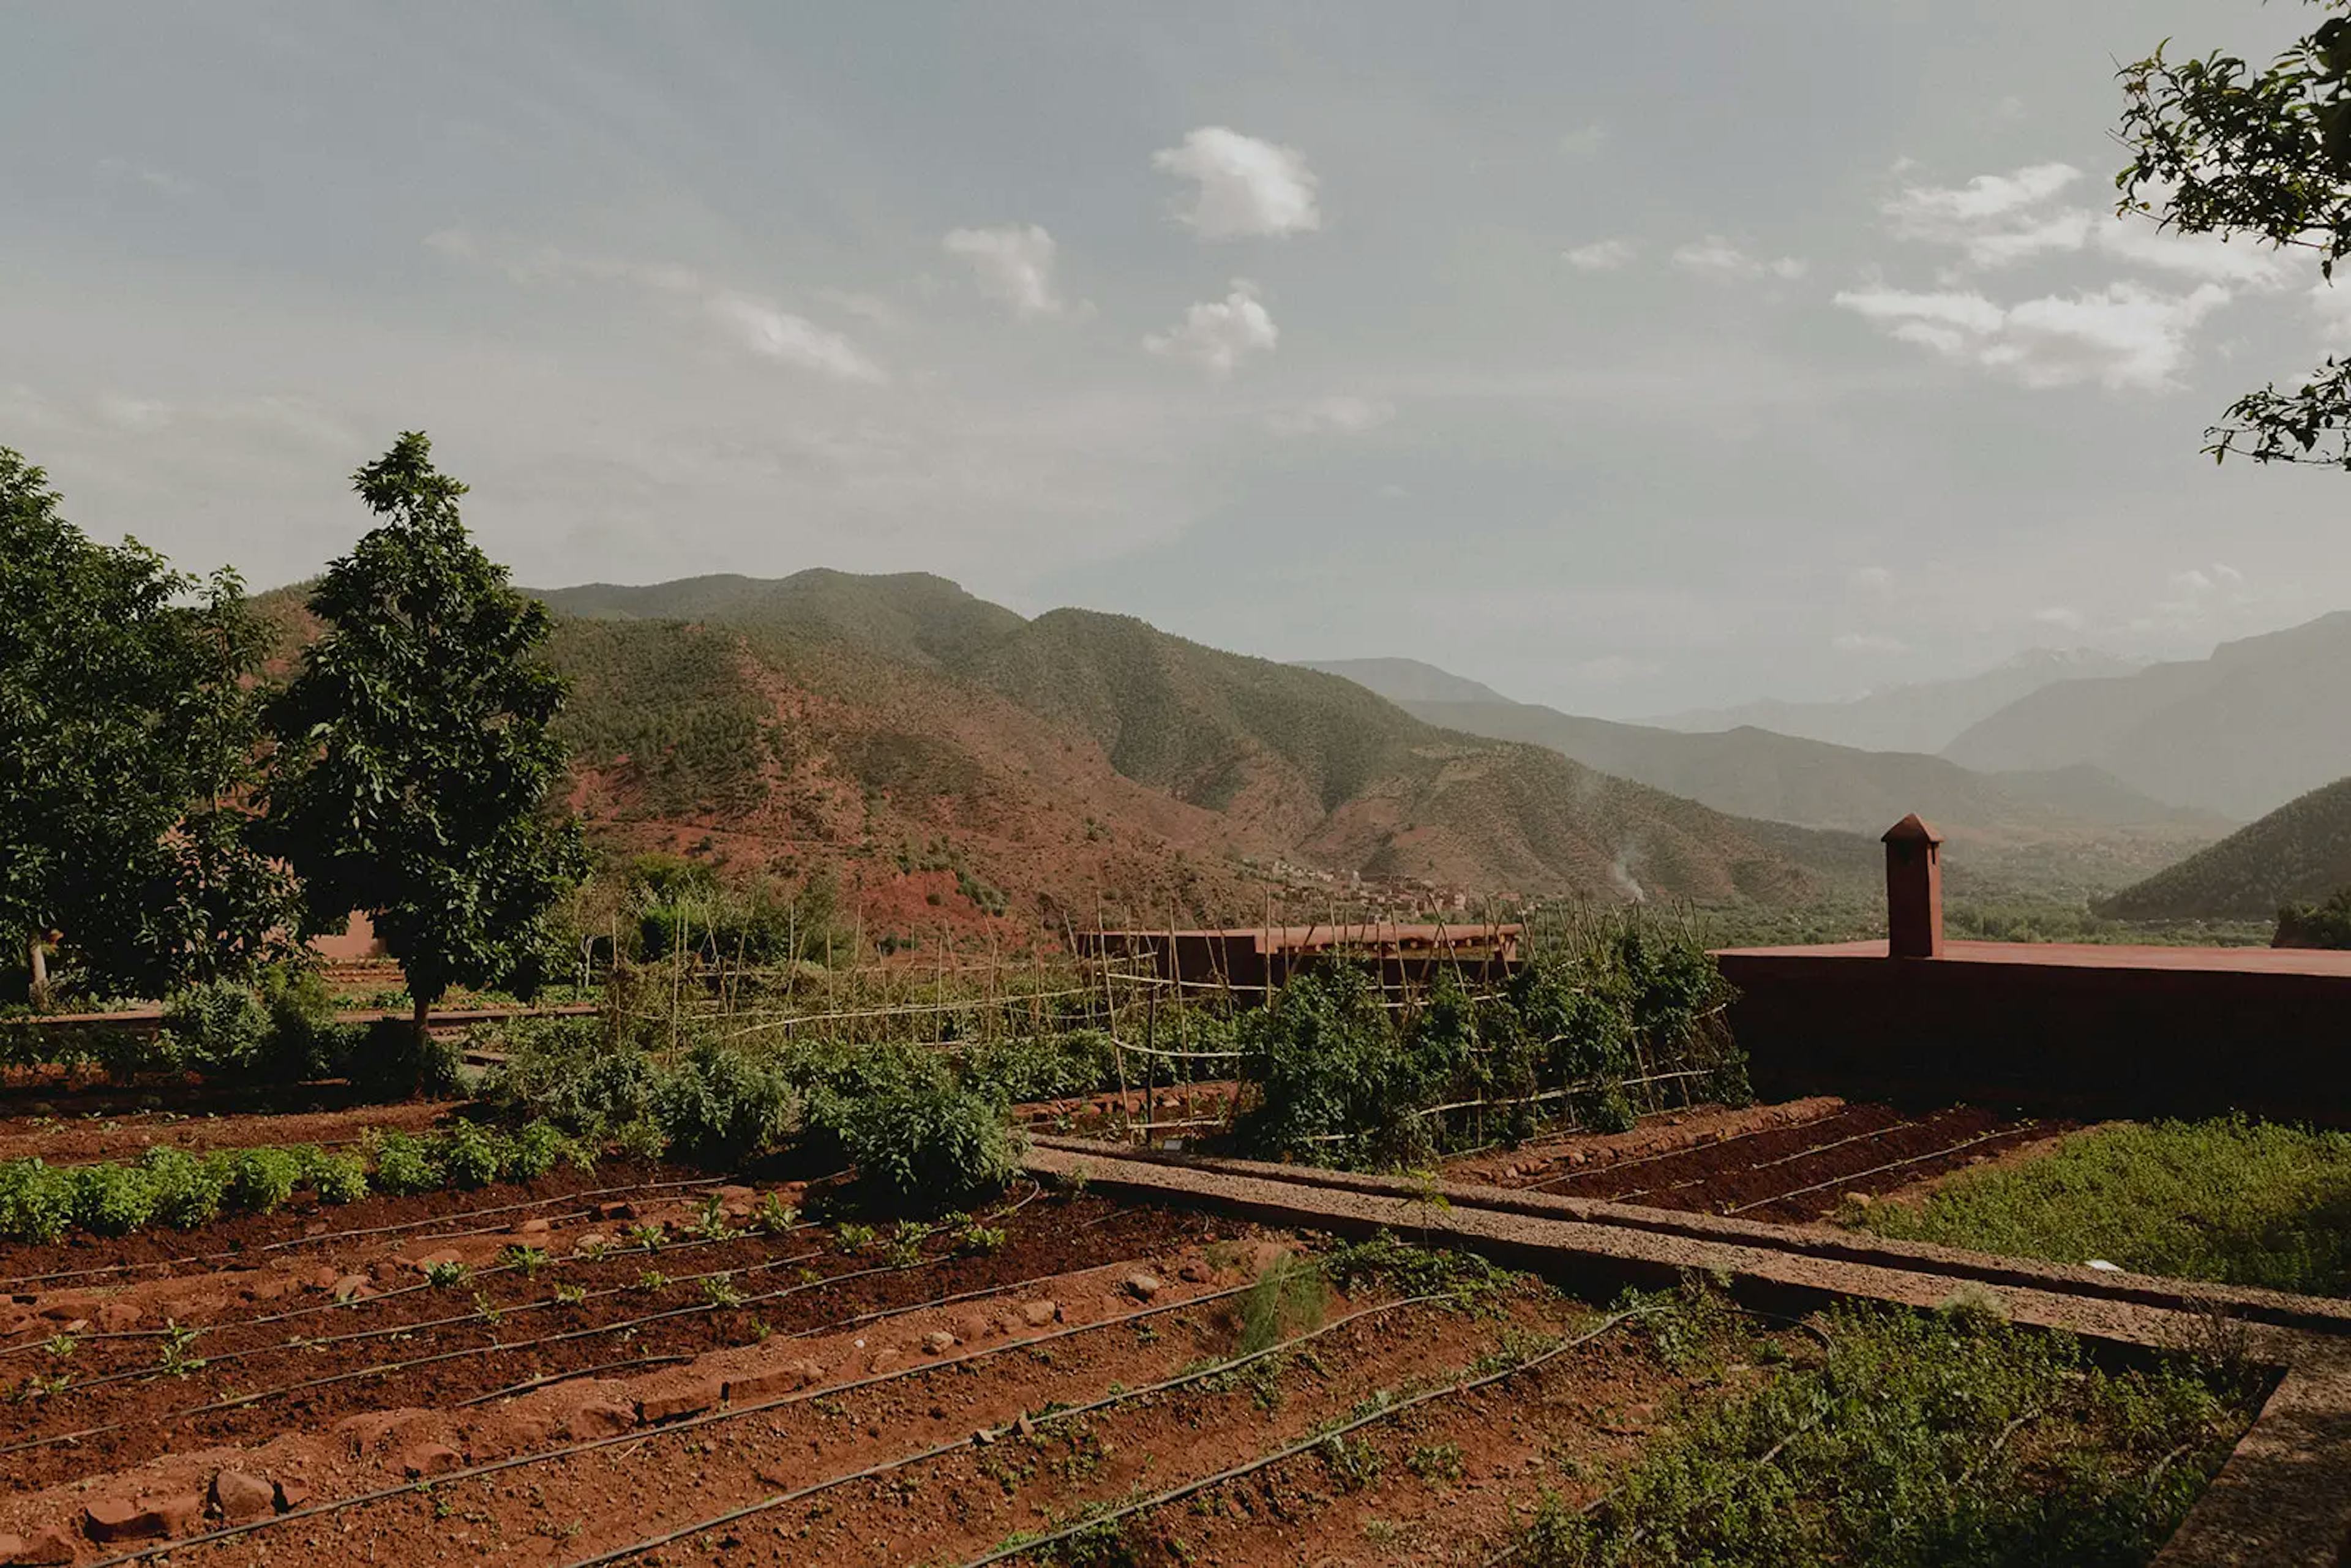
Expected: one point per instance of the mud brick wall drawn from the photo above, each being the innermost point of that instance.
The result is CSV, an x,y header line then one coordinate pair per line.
x,y
2054,1039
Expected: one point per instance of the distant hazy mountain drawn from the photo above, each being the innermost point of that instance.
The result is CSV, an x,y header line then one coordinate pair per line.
x,y
1752,772
1407,680
2299,854
1925,716
2262,721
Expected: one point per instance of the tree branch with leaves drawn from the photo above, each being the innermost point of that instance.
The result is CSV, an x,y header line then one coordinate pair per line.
x,y
2218,147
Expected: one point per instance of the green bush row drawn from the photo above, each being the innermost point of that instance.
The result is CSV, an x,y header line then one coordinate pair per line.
x,y
1342,1080
175,1188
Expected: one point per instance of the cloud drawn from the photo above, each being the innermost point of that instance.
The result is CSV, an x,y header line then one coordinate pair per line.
x,y
1584,143
1999,220
752,323
2064,617
1868,642
1344,414
1013,264
2198,593
1219,334
1242,187
146,174
2332,306
1875,580
1716,257
793,339
1600,256
2124,337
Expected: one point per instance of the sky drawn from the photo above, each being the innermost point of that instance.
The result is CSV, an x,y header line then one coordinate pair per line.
x,y
1626,357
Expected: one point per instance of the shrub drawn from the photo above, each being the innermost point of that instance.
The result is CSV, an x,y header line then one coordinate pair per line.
x,y
35,1202
305,1040
405,1165
2325,924
472,1155
261,1180
719,1105
925,1137
188,1190
572,1072
1338,1084
111,1199
336,1178
392,1062
219,1028
539,1147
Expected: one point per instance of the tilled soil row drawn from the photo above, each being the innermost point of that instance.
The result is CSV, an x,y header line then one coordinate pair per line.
x,y
123,1424
1025,1334
84,1262
113,1134
960,1495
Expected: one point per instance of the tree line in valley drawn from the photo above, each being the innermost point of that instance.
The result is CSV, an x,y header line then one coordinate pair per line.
x,y
170,815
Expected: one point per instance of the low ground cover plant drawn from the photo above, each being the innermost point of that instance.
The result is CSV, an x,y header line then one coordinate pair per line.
x,y
1951,1440
2235,1201
172,1187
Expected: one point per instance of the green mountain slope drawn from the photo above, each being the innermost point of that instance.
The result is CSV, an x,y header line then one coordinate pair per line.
x,y
953,711
2299,854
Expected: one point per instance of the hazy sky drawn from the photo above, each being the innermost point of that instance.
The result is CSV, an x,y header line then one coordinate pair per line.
x,y
1624,357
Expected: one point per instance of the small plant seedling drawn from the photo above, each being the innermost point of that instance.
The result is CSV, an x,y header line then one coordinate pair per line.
x,y
570,1295
851,1239
446,1274
776,1217
980,1240
720,1290
60,1345
487,1306
177,1338
648,1236
525,1261
652,1280
710,1220
906,1244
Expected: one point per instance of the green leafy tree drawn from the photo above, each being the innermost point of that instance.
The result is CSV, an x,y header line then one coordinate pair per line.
x,y
2219,147
418,779
129,736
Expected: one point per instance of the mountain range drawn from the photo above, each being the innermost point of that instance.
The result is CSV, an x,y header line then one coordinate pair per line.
x,y
898,726
1923,716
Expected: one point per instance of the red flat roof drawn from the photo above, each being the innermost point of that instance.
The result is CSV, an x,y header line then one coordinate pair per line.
x,y
2089,956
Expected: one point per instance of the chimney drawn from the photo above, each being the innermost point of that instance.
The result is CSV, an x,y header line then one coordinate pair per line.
x,y
1914,890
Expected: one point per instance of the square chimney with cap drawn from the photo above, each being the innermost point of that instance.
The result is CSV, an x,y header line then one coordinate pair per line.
x,y
1914,890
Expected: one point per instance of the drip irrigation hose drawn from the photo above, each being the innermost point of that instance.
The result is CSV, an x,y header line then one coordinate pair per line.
x,y
1615,1166
387,1368
369,1230
780,1499
1289,1450
1803,1154
1890,1166
691,1423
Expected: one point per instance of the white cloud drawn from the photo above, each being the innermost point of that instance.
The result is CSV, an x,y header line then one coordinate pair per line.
x,y
1013,264
792,340
756,325
2138,241
1584,142
2332,306
2064,617
1243,186
1870,579
1344,414
1868,642
1717,257
1601,254
1219,334
1927,212
2124,337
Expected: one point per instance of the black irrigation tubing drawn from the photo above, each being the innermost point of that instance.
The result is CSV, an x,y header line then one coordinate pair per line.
x,y
1890,1166
1614,1166
691,1423
780,1499
387,1368
1804,1153
360,1303
394,1330
293,1241
1291,1450
547,1379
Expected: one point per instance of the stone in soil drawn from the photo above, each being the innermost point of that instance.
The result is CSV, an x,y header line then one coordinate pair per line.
x,y
938,1342
600,1418
45,1546
144,1519
242,1499
772,1383
1040,1314
1143,1287
685,1399
430,1459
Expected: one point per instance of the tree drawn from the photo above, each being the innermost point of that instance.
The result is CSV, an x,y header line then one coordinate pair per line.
x,y
128,736
417,779
2220,147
